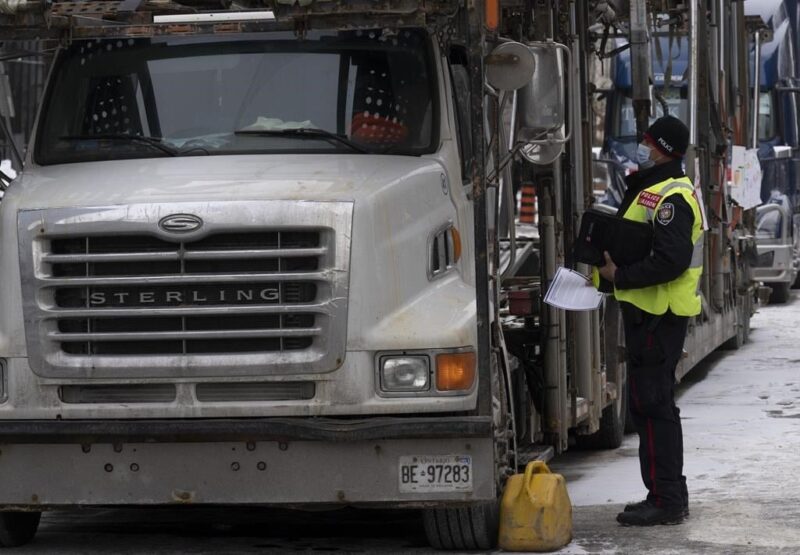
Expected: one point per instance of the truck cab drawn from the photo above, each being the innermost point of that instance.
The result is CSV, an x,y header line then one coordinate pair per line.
x,y
248,246
222,241
778,151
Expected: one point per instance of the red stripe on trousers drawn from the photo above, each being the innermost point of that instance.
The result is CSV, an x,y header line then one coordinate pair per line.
x,y
651,446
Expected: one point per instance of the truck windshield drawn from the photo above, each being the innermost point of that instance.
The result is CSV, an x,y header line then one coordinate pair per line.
x,y
354,91
675,98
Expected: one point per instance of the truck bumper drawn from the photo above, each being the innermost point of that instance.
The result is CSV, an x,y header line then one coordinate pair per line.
x,y
259,462
782,269
773,276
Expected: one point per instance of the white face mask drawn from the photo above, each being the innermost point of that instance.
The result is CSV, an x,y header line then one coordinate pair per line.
x,y
643,157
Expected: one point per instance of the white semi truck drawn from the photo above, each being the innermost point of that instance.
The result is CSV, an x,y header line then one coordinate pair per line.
x,y
266,254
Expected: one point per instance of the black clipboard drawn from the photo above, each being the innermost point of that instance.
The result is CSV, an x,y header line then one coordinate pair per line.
x,y
625,240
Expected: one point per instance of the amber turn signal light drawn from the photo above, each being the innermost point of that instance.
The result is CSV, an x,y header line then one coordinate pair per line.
x,y
455,371
492,13
456,244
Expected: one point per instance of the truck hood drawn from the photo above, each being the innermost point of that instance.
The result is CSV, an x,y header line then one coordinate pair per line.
x,y
209,178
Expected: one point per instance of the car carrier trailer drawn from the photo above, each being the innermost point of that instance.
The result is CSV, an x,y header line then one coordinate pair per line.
x,y
267,254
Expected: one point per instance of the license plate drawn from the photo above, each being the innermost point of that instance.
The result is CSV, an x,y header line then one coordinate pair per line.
x,y
435,473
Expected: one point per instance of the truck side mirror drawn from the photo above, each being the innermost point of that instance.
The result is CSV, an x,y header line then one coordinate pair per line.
x,y
510,66
541,105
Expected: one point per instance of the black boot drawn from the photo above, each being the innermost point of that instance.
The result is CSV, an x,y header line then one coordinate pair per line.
x,y
636,506
645,503
650,515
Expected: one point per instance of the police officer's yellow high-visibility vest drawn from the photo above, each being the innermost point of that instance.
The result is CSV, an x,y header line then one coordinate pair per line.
x,y
681,295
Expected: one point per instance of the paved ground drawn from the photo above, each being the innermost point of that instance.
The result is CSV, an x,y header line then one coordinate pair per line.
x,y
740,416
742,438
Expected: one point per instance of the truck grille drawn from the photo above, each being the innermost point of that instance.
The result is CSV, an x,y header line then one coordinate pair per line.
x,y
121,299
143,256
204,392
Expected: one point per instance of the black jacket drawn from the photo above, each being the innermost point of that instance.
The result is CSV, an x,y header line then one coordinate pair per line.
x,y
672,232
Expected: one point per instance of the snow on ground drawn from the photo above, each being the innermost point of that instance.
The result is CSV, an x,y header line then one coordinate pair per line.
x,y
741,425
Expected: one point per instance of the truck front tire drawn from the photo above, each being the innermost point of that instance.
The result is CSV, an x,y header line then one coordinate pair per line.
x,y
780,293
613,425
18,528
474,527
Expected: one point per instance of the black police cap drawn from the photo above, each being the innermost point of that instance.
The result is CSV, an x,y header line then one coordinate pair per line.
x,y
669,135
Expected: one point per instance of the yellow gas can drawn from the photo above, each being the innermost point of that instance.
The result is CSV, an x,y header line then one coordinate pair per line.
x,y
536,513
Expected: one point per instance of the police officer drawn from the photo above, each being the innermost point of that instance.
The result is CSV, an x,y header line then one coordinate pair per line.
x,y
657,296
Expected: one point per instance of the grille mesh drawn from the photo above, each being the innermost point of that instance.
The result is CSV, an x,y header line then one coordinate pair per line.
x,y
250,392
138,393
275,275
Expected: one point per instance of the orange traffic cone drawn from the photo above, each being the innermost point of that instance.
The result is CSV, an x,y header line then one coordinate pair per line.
x,y
527,209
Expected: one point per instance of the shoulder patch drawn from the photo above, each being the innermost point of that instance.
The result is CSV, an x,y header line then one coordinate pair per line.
x,y
648,199
665,213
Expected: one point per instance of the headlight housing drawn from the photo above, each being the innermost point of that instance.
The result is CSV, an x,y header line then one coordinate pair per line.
x,y
430,373
405,374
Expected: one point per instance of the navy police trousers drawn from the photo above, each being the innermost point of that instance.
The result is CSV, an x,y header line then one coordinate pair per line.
x,y
654,345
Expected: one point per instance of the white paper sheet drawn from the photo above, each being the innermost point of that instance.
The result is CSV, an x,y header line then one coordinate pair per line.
x,y
745,177
572,290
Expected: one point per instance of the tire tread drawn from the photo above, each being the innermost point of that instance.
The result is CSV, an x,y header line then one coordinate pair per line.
x,y
462,528
18,528
780,293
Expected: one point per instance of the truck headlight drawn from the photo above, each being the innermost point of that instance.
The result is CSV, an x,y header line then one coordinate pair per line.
x,y
405,373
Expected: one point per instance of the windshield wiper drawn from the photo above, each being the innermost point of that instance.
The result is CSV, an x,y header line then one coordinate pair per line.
x,y
155,142
310,132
